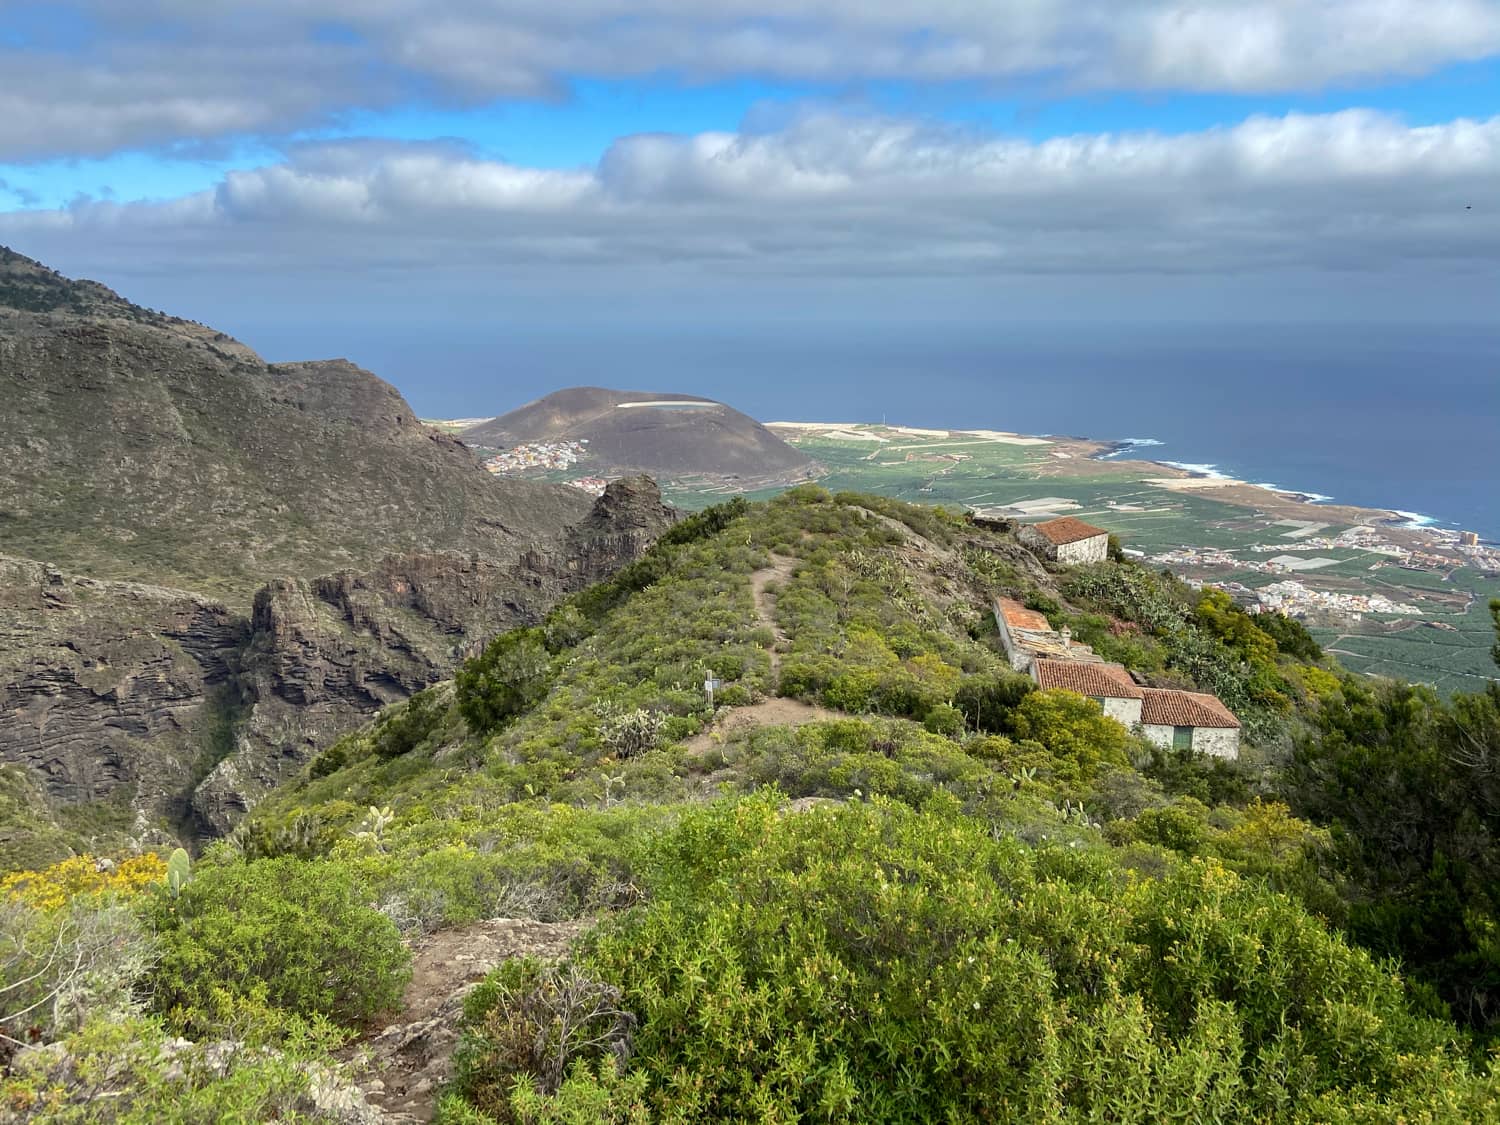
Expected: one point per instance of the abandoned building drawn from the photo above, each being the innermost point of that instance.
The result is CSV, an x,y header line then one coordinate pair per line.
x,y
1109,685
1066,540
1027,636
1190,720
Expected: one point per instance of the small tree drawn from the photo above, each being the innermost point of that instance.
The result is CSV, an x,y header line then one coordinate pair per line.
x,y
509,678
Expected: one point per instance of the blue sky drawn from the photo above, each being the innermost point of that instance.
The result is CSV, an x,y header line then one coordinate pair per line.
x,y
384,178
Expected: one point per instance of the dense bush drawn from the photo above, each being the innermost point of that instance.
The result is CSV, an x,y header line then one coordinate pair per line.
x,y
1074,730
130,1071
705,524
877,964
408,727
1410,785
509,678
1291,637
528,1025
988,702
295,935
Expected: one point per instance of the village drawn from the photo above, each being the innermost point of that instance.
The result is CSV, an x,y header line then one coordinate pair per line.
x,y
1166,717
547,455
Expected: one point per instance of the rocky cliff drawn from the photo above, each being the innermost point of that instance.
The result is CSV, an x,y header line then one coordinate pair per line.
x,y
160,709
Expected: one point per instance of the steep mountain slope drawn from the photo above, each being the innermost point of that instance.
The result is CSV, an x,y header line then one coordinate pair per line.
x,y
211,566
135,446
666,435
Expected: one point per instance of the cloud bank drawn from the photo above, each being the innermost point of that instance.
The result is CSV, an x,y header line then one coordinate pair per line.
x,y
109,76
846,196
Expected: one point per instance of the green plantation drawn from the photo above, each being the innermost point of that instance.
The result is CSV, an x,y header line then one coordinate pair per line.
x,y
887,880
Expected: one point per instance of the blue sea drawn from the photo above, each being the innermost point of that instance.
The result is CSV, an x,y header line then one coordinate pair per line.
x,y
1403,417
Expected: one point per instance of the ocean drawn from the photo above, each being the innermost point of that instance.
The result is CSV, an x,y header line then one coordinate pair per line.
x,y
1388,416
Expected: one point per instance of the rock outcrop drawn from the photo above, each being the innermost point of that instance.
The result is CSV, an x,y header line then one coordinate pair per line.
x,y
172,710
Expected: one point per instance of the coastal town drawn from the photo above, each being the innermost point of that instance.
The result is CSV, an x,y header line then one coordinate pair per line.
x,y
550,456
546,457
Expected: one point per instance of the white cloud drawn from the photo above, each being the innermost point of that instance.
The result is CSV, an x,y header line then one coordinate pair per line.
x,y
164,71
849,197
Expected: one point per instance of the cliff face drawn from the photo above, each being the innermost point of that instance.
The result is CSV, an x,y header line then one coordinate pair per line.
x,y
110,691
169,707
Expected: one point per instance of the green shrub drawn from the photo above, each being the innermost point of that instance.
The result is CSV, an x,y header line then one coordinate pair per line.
x,y
330,761
1075,731
294,934
131,1072
528,1025
987,701
509,678
402,730
877,964
1291,637
64,966
946,720
705,524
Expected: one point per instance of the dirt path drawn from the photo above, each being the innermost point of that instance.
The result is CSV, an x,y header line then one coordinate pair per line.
x,y
733,721
765,603
775,712
402,1069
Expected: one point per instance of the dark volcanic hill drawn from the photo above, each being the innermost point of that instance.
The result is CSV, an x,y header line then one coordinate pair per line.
x,y
211,566
136,446
666,435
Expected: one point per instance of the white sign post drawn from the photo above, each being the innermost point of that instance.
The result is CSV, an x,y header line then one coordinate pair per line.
x,y
710,686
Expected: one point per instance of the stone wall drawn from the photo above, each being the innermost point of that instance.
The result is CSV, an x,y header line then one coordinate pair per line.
x,y
1127,712
1020,659
1220,742
1084,551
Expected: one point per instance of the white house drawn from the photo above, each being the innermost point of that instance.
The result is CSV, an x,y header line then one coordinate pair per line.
x,y
1109,685
1183,720
1066,540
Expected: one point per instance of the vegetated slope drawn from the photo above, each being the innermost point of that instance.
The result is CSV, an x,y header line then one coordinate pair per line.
x,y
137,446
708,438
981,901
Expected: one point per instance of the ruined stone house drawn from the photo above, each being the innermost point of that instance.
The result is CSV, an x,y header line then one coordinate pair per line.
x,y
1066,540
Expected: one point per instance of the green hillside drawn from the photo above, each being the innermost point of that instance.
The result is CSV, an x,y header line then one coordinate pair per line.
x,y
885,881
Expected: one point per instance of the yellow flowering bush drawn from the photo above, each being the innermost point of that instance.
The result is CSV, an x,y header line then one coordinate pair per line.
x,y
53,887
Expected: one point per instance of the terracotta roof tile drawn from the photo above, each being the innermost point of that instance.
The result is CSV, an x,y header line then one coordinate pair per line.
x,y
1099,681
1165,708
1061,532
1017,616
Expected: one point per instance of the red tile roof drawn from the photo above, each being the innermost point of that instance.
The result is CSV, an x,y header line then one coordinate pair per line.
x,y
1060,532
1164,708
1098,681
1017,616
